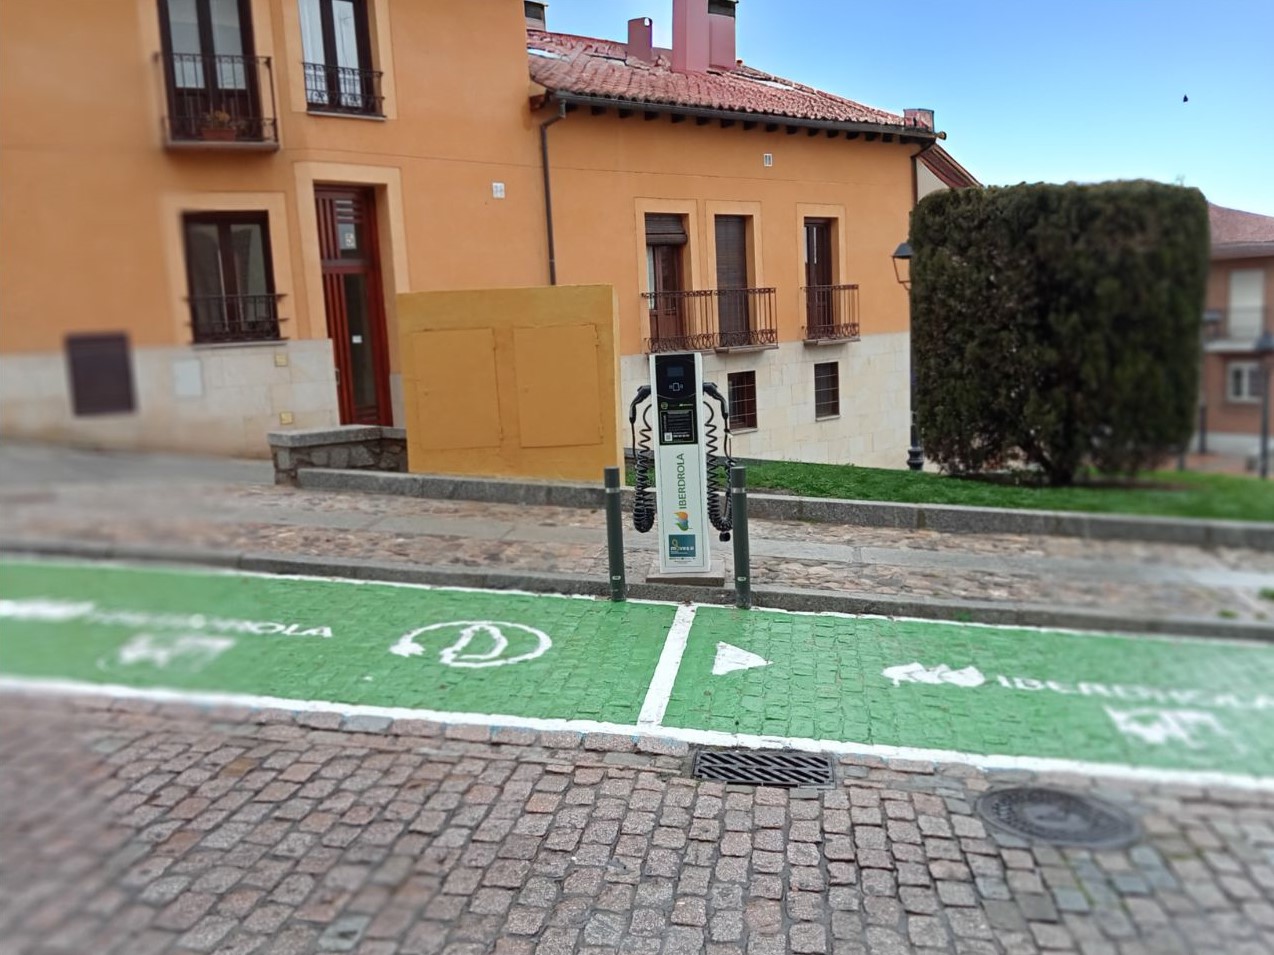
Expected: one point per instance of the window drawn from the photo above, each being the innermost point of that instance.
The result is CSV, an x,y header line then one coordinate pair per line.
x,y
1243,381
231,278
742,400
732,279
665,298
827,389
1247,304
337,50
213,90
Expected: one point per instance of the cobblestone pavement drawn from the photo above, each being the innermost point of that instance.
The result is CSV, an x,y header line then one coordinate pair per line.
x,y
1130,578
133,828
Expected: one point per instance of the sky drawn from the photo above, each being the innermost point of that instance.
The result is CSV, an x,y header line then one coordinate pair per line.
x,y
1030,90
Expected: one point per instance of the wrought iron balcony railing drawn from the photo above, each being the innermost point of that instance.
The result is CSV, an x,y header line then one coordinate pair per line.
x,y
215,99
234,318
831,312
711,318
341,89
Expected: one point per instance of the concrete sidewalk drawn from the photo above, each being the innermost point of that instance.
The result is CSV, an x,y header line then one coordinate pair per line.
x,y
54,496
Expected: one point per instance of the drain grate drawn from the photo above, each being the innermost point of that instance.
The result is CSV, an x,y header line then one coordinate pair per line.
x,y
764,767
1058,817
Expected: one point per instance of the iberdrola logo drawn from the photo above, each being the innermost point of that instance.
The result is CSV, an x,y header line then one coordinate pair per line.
x,y
682,520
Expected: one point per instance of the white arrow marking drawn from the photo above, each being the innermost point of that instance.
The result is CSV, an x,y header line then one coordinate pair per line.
x,y
731,658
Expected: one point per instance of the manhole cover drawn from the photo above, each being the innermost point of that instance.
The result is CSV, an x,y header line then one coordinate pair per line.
x,y
1058,817
765,767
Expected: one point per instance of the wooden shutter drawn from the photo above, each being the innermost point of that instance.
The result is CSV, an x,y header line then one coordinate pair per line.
x,y
732,252
664,229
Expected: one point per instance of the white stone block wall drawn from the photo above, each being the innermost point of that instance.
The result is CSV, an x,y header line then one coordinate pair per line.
x,y
213,399
872,430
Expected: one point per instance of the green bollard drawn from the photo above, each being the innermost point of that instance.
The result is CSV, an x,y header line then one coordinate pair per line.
x,y
615,535
742,559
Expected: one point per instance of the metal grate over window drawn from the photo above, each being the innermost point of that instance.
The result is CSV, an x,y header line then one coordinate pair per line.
x,y
742,400
827,389
765,768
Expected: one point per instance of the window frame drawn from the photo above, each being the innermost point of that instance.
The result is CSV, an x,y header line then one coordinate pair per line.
x,y
243,104
821,413
743,409
330,62
1251,372
229,274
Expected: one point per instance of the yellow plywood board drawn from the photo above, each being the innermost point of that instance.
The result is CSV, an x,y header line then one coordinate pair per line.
x,y
511,382
455,389
556,370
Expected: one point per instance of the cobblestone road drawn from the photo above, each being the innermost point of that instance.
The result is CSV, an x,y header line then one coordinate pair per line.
x,y
1127,578
138,829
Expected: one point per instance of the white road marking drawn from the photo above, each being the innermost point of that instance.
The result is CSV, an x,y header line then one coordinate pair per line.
x,y
730,658
492,630
656,702
190,652
1178,777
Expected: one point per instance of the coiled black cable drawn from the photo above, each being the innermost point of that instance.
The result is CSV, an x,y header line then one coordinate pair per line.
x,y
720,512
643,465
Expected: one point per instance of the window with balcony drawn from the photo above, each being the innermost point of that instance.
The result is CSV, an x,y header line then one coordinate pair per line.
x,y
339,78
742,388
231,278
217,90
831,309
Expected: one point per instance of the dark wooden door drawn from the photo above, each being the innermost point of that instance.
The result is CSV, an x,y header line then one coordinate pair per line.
x,y
819,306
352,294
732,279
667,307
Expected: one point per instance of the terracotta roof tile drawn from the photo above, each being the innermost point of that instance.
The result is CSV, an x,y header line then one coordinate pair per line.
x,y
1231,225
1237,234
586,66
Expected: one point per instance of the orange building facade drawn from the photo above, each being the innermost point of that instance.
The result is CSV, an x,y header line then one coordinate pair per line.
x,y
210,213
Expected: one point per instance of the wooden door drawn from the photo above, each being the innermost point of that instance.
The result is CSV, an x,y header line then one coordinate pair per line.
x,y
352,293
819,307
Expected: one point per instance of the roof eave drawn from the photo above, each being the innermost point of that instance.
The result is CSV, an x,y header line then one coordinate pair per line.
x,y
1242,250
743,116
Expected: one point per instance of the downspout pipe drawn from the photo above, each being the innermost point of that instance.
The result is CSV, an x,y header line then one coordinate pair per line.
x,y
548,190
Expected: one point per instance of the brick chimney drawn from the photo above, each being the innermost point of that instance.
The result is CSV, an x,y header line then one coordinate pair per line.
x,y
721,34
640,39
690,36
535,14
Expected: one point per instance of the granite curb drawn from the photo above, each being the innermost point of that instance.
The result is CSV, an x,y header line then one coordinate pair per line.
x,y
945,518
1006,613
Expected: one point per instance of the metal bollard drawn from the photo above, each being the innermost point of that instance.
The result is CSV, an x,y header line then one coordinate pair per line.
x,y
615,536
739,517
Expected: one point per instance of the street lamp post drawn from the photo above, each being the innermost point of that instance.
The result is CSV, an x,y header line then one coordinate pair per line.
x,y
1264,348
902,272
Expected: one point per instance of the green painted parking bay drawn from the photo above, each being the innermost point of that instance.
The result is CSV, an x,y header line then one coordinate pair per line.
x,y
1161,708
442,650
1132,701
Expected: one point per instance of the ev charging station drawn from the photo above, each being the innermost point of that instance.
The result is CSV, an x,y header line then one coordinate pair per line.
x,y
681,476
685,449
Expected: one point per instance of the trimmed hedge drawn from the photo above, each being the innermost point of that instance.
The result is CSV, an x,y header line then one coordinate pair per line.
x,y
1057,326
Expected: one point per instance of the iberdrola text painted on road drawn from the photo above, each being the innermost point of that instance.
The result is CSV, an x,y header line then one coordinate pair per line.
x,y
970,677
61,611
1141,694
